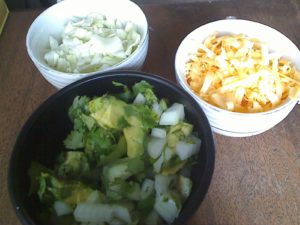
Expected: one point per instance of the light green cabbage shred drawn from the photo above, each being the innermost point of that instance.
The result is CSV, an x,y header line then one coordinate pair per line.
x,y
92,43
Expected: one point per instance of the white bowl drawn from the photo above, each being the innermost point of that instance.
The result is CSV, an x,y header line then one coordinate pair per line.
x,y
233,123
52,21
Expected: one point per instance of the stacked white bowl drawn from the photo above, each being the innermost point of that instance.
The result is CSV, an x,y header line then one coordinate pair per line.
x,y
52,22
233,123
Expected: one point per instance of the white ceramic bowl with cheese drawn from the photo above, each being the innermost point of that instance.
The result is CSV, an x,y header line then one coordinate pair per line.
x,y
225,122
52,21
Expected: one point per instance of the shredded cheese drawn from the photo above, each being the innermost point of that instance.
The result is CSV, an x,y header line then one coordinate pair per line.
x,y
241,74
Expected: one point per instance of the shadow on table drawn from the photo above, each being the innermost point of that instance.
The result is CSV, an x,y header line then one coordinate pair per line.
x,y
31,4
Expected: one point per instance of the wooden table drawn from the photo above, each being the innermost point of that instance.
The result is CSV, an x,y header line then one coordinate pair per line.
x,y
256,179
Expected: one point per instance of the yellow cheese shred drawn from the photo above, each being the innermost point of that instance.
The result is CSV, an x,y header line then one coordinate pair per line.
x,y
240,74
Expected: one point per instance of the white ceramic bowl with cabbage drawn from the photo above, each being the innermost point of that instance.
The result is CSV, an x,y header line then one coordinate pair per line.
x,y
77,38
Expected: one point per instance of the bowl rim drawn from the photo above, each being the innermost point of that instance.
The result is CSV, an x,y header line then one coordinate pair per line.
x,y
208,170
180,77
142,44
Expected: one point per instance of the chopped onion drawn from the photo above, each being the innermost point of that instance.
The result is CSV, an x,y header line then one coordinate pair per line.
x,y
159,133
185,150
157,108
158,164
162,183
166,207
155,147
147,188
139,99
172,115
93,213
99,213
168,153
61,208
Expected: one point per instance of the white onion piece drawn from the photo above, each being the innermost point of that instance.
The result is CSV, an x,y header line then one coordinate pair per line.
x,y
61,208
185,150
147,188
172,115
166,207
158,133
139,99
100,213
162,183
155,147
158,164
168,153
157,108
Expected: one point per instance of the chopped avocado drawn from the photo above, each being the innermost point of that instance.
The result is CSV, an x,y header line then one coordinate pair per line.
x,y
172,139
107,111
73,164
123,169
134,121
185,128
117,151
178,132
78,192
173,169
71,192
135,137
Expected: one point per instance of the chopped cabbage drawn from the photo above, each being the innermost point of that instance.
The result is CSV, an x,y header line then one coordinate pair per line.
x,y
92,43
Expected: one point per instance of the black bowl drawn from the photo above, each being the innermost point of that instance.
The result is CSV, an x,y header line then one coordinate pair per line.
x,y
41,138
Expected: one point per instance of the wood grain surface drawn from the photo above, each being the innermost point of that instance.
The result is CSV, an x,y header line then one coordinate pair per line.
x,y
256,179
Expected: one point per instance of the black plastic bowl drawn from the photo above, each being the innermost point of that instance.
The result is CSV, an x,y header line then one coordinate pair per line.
x,y
42,137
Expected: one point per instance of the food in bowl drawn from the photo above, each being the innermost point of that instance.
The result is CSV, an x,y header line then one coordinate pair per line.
x,y
238,73
41,140
126,160
52,22
91,43
245,122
